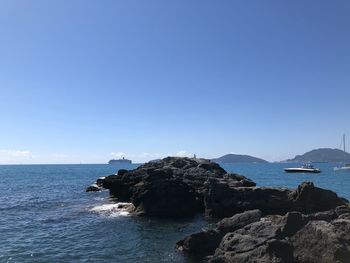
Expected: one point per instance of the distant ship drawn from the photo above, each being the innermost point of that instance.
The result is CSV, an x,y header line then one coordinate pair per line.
x,y
119,161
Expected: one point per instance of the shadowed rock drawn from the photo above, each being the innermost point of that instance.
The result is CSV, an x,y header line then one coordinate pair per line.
x,y
222,200
93,188
172,187
204,243
178,187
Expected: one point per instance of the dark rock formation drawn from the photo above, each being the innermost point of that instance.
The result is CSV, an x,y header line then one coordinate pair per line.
x,y
178,187
204,243
93,188
294,237
222,200
172,187
100,180
263,224
257,242
310,199
164,198
321,241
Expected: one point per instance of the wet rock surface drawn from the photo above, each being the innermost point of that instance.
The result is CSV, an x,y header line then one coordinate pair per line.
x,y
93,188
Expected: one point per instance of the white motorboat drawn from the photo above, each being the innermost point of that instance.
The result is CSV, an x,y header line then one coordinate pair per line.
x,y
307,168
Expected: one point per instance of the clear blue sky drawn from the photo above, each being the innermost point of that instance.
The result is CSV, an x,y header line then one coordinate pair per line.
x,y
85,81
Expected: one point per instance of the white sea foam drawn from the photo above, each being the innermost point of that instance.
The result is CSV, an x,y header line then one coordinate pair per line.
x,y
112,210
99,198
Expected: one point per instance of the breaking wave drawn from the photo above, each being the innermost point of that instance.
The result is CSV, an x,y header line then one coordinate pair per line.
x,y
112,210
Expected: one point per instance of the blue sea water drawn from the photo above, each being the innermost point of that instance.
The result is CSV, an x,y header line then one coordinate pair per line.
x,y
46,215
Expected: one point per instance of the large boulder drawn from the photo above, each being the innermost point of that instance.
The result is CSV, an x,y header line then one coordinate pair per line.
x,y
238,221
310,199
172,187
223,200
93,188
323,242
120,185
201,244
257,242
295,237
164,198
204,243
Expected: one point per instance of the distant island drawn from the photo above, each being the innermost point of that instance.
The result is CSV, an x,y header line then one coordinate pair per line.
x,y
322,155
119,161
238,158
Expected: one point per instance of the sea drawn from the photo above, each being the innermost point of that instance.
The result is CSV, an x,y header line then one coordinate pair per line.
x,y
46,215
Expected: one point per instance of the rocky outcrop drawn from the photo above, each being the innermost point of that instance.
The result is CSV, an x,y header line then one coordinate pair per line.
x,y
100,180
179,187
172,187
321,241
222,200
164,198
257,242
204,243
93,188
294,237
260,224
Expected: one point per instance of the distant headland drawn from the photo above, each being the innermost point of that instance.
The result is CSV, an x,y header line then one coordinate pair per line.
x,y
322,155
238,158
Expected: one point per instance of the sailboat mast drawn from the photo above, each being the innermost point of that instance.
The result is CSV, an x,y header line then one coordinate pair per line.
x,y
344,142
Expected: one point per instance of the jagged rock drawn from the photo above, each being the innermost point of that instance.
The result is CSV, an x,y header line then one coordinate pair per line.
x,y
222,200
325,216
290,238
323,242
93,188
248,238
200,245
164,198
122,171
272,250
257,242
344,209
204,243
100,180
310,199
172,187
120,185
238,221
